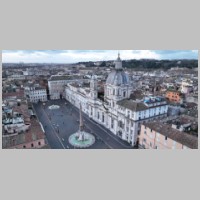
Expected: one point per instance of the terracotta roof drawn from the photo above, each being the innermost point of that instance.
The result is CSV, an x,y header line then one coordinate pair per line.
x,y
23,109
35,133
174,134
10,94
132,105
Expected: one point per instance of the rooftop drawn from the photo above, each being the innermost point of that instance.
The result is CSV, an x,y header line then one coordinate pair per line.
x,y
23,109
174,134
10,94
80,85
68,77
39,88
173,90
132,105
35,133
138,94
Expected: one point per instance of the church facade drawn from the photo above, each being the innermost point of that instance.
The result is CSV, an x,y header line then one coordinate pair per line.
x,y
117,112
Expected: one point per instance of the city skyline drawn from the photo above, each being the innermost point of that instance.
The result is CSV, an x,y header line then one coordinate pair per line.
x,y
93,108
74,56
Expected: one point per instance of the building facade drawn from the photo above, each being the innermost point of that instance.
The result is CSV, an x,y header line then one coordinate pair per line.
x,y
56,85
156,135
186,86
35,94
174,96
116,111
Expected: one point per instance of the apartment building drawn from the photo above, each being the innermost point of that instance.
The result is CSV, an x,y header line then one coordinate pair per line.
x,y
174,96
156,135
35,94
56,85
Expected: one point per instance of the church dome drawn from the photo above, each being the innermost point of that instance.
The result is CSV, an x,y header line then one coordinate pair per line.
x,y
117,77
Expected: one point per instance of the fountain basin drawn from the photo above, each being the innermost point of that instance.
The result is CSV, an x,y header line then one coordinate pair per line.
x,y
88,141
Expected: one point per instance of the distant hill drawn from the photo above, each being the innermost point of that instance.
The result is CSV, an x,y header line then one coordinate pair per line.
x,y
148,64
130,64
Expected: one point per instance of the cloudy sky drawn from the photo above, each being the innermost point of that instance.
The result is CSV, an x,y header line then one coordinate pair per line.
x,y
73,56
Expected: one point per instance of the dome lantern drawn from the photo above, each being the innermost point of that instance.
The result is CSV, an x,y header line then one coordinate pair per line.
x,y
118,62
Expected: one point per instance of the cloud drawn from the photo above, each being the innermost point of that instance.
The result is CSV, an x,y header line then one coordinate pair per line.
x,y
71,56
178,54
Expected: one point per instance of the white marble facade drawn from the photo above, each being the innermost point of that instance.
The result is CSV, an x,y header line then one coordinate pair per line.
x,y
121,115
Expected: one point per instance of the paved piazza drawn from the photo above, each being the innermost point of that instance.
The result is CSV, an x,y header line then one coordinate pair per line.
x,y
60,124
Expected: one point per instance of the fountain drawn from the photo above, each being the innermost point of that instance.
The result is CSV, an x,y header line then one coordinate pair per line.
x,y
54,107
81,139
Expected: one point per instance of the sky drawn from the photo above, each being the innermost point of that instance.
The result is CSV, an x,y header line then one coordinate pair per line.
x,y
73,56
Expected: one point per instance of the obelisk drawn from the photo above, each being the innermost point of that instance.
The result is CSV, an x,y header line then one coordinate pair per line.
x,y
81,132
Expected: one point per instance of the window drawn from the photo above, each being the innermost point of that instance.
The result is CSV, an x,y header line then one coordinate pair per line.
x,y
113,104
165,137
124,94
144,140
32,145
112,123
103,118
39,143
145,132
24,146
120,124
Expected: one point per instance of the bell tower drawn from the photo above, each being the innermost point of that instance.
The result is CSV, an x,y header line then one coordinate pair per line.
x,y
93,88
